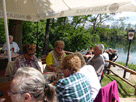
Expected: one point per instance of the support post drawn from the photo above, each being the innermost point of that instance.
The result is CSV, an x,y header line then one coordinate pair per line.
x,y
135,90
127,59
37,48
46,37
109,68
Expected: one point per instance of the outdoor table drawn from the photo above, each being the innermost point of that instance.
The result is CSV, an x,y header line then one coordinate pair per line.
x,y
13,56
4,62
5,87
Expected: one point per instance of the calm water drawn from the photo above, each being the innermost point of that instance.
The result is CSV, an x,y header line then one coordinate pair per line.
x,y
122,57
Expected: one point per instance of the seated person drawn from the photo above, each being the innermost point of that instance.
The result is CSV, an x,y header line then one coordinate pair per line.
x,y
91,76
27,59
54,58
114,55
12,45
74,87
106,56
91,50
110,54
97,61
29,85
89,54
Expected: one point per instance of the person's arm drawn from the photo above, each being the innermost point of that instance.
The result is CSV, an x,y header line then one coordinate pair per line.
x,y
4,48
49,62
36,63
60,90
16,65
52,68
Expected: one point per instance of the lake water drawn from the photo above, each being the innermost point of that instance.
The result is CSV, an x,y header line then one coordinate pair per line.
x,y
122,57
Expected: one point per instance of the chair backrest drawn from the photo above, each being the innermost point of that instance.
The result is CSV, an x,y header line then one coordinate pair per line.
x,y
10,68
108,93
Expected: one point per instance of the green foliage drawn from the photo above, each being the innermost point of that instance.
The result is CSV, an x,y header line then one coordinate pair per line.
x,y
2,31
73,32
30,32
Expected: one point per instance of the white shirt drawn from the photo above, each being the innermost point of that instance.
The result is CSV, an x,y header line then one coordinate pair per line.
x,y
106,56
14,44
89,72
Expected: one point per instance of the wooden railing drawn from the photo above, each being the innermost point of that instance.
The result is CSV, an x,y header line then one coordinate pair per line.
x,y
125,68
67,52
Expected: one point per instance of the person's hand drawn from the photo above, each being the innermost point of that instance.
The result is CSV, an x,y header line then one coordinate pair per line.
x,y
55,69
58,70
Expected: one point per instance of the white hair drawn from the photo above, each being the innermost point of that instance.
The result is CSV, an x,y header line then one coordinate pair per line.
x,y
10,36
100,47
30,80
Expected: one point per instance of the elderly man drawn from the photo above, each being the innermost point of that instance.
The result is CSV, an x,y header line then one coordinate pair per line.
x,y
13,45
97,61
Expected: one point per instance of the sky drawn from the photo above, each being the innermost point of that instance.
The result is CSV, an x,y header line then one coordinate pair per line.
x,y
131,15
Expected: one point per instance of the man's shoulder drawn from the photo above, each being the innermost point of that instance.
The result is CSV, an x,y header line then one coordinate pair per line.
x,y
14,43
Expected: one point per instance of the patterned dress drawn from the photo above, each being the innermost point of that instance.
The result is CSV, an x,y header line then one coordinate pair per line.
x,y
22,62
74,88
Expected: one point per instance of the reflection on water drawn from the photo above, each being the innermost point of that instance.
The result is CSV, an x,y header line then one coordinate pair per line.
x,y
122,50
122,56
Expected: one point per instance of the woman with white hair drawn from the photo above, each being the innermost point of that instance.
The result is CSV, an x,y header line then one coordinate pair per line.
x,y
29,85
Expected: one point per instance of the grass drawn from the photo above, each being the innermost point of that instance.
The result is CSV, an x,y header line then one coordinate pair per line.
x,y
124,89
130,66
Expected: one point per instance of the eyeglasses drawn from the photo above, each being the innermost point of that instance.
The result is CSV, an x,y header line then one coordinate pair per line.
x,y
59,48
12,93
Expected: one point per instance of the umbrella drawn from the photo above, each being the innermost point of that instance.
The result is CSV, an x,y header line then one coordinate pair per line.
x,y
35,10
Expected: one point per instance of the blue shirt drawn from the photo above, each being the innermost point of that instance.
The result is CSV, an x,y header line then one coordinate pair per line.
x,y
13,44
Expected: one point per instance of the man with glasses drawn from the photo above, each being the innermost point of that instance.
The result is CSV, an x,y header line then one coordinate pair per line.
x,y
28,59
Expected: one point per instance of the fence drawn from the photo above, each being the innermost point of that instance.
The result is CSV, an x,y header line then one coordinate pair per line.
x,y
125,68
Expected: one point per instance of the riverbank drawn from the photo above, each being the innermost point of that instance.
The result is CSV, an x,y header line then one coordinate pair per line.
x,y
130,66
124,89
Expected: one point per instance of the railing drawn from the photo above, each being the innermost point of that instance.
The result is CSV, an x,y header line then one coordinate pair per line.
x,y
67,52
127,70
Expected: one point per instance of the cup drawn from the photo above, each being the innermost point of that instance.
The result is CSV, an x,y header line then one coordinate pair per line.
x,y
12,49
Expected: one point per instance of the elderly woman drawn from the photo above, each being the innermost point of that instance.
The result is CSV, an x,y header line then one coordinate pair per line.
x,y
54,58
74,87
29,85
28,59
